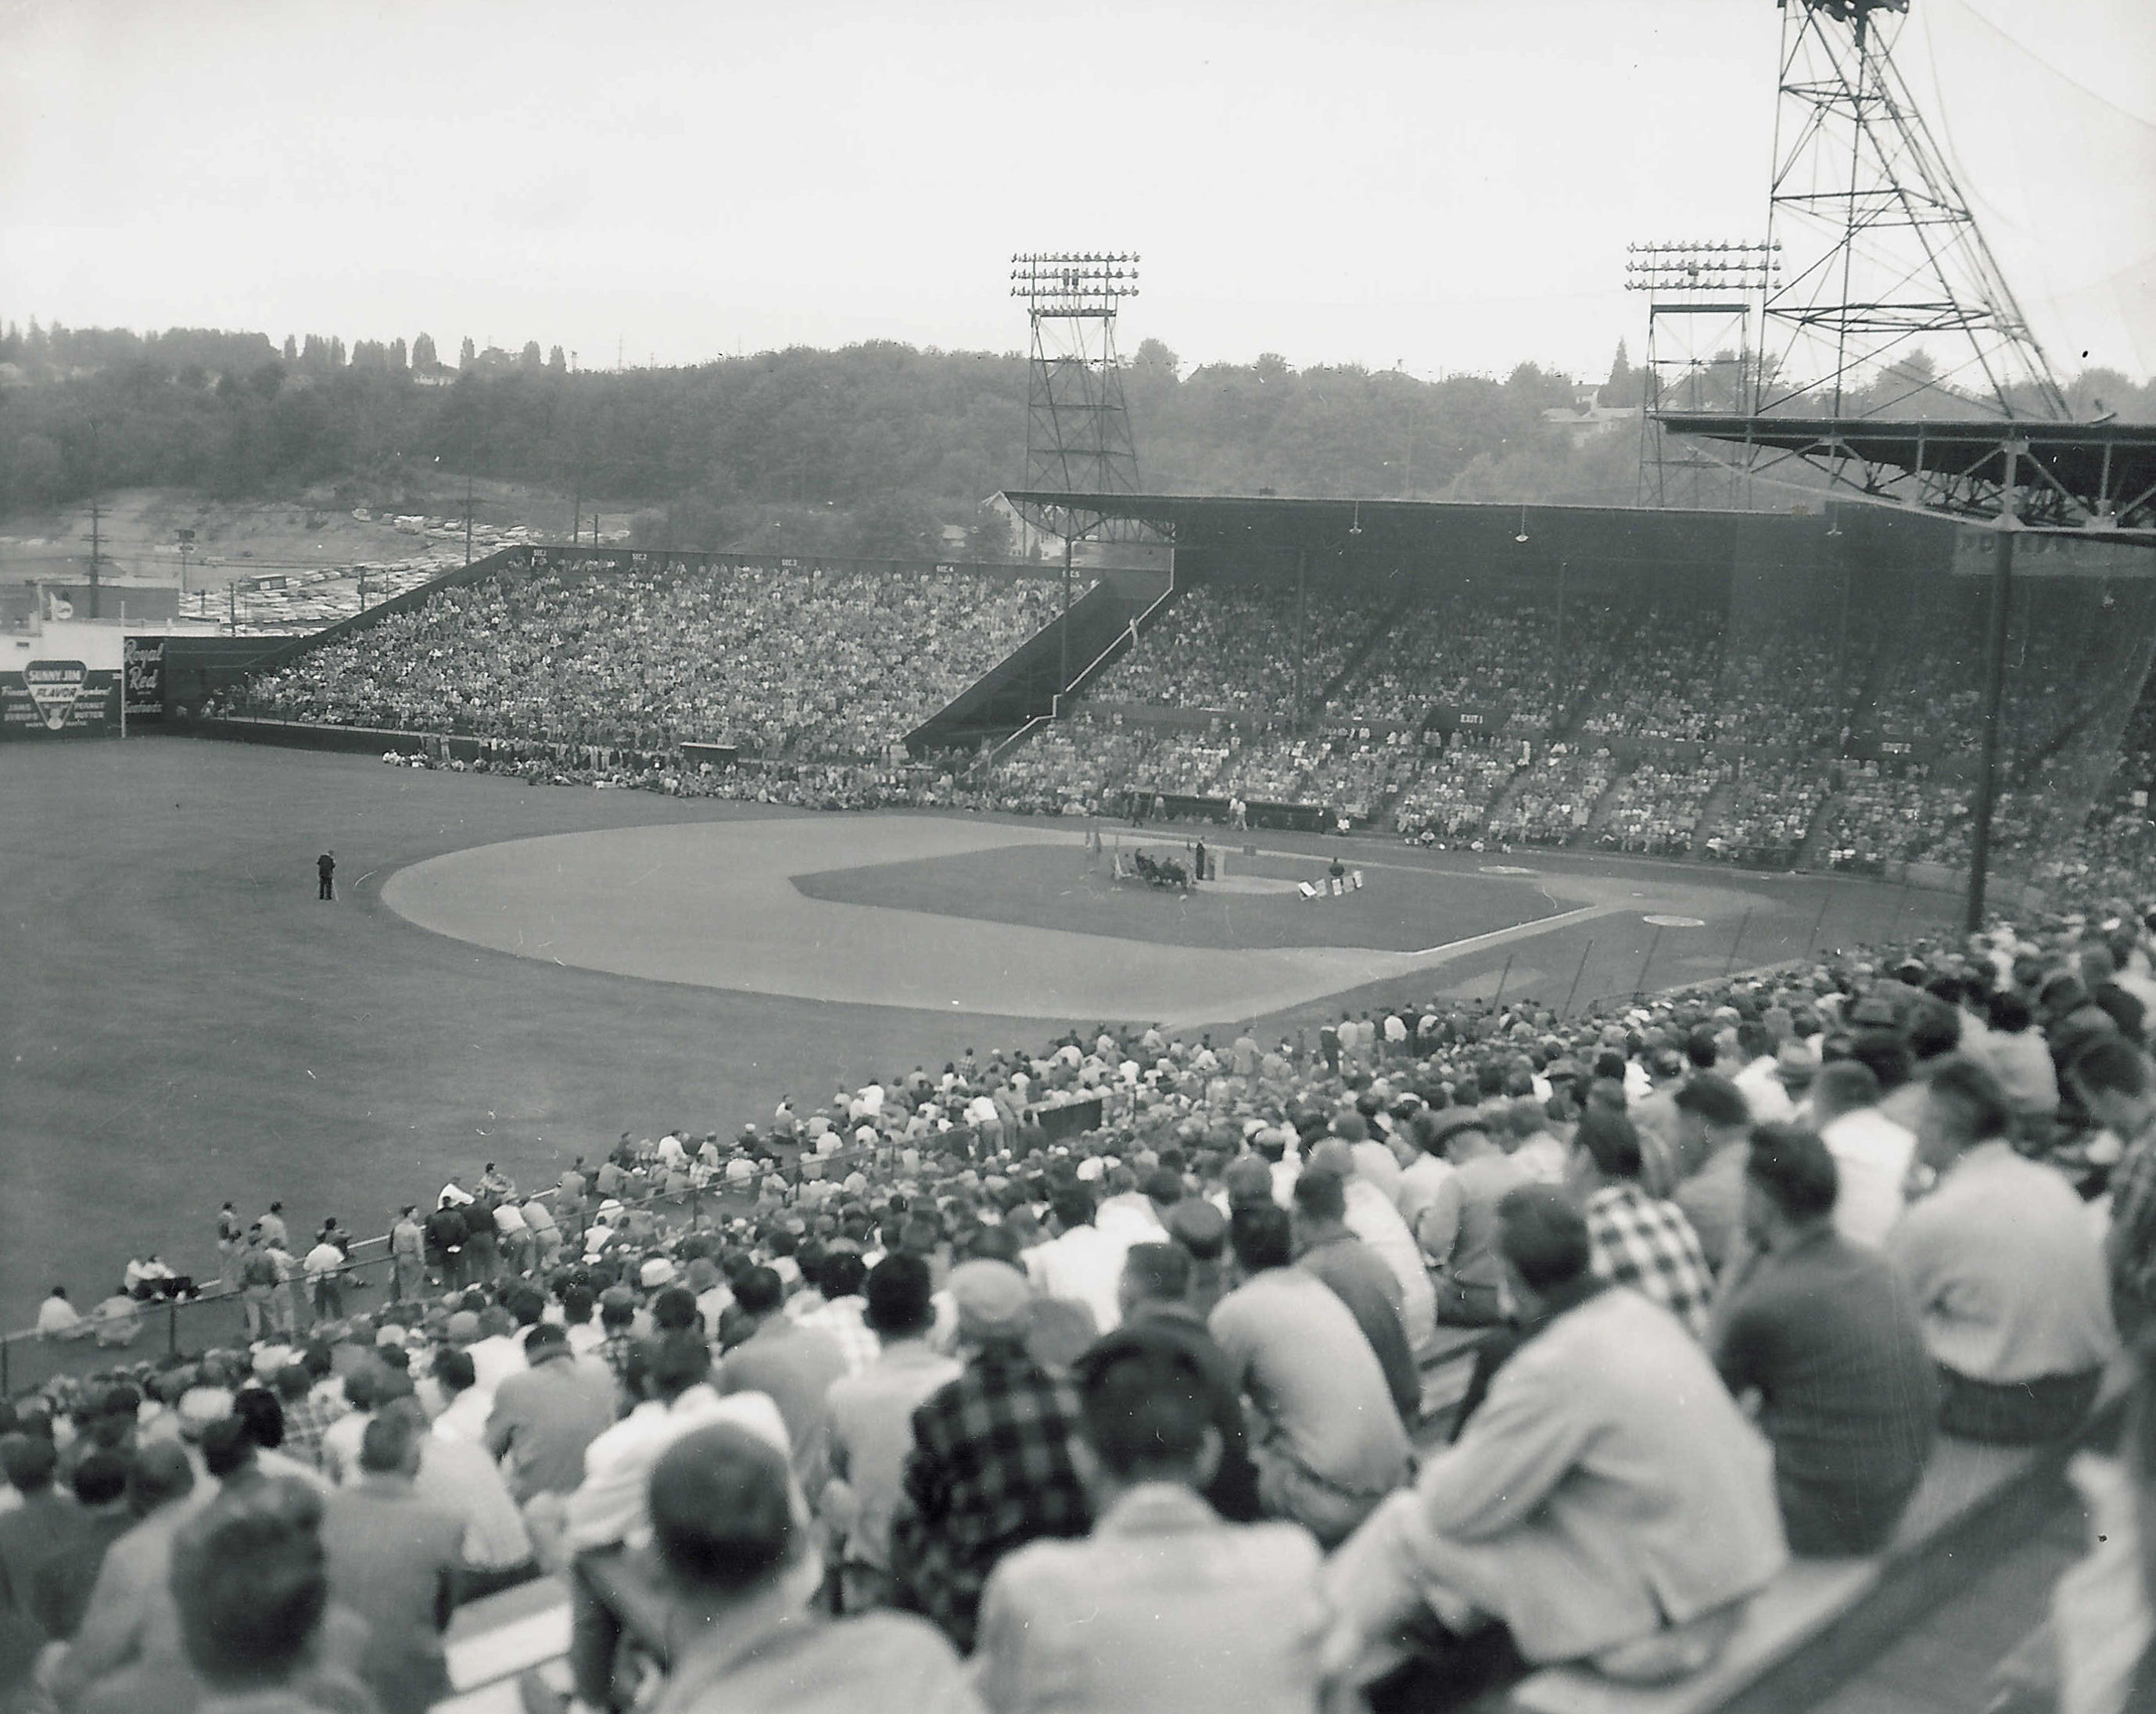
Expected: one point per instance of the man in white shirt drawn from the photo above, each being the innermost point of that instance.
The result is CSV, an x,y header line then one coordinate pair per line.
x,y
609,1512
465,1404
1871,1153
1083,1263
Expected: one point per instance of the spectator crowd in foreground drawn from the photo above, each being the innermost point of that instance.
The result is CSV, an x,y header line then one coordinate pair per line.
x,y
931,1413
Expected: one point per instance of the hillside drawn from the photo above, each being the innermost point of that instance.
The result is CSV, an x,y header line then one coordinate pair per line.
x,y
873,449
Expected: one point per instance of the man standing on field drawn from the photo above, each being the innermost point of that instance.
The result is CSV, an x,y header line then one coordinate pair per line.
x,y
325,867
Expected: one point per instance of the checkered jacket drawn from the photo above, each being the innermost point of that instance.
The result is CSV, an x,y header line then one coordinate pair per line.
x,y
990,1470
841,1318
2134,1227
306,1420
1649,1245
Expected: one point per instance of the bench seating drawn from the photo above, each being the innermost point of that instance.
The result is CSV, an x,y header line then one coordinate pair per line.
x,y
493,1641
1820,1620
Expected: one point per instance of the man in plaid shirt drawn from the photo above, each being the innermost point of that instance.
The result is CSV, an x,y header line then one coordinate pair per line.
x,y
841,1313
1633,1239
991,1468
305,1417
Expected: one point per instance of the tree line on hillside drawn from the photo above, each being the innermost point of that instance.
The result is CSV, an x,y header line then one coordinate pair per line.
x,y
874,448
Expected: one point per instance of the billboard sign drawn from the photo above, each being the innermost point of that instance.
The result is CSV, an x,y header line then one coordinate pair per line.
x,y
142,661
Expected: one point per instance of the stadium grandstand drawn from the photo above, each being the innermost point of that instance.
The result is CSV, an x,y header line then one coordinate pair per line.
x,y
756,1310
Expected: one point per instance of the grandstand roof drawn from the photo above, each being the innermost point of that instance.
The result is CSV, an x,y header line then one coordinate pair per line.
x,y
2096,476
1285,520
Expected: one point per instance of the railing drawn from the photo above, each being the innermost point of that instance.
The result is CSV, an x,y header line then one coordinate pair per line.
x,y
174,1328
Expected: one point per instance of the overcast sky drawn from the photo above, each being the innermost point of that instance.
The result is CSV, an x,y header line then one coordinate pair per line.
x,y
1446,185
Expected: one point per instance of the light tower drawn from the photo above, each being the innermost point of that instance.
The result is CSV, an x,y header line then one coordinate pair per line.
x,y
1077,428
1700,302
1890,302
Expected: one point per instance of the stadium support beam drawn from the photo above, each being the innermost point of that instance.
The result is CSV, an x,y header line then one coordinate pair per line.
x,y
1995,695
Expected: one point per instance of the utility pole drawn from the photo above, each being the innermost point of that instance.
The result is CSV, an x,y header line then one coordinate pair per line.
x,y
96,517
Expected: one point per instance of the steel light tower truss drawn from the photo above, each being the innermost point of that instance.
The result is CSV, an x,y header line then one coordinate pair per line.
x,y
1700,298
1077,427
1890,303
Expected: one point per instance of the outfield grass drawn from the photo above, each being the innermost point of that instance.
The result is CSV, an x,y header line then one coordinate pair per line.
x,y
185,1022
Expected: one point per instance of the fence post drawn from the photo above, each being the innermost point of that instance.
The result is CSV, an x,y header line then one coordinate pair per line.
x,y
1640,986
1504,976
1572,992
1736,942
1818,923
172,1327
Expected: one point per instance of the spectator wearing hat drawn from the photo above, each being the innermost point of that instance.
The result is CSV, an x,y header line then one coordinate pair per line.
x,y
547,1415
1110,1621
1325,1247
2113,1080
1607,1501
993,1466
732,1551
1871,1153
1714,1124
1330,1444
791,1364
2008,1278
1635,1240
1825,1333
1200,1230
1458,1231
871,1427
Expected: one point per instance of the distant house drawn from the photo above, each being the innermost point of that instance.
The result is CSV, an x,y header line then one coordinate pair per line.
x,y
1585,418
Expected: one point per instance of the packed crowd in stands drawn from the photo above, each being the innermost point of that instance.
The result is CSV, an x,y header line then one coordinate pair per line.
x,y
1655,810
1767,815
1233,646
1896,815
1551,804
1447,800
577,676
1671,663
1488,646
1784,685
823,664
915,1383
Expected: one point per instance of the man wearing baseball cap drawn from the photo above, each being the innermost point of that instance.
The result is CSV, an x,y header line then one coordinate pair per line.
x,y
993,1466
